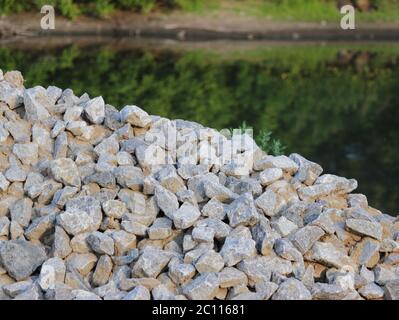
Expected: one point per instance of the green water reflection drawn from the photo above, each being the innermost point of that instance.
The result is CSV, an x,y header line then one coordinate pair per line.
x,y
336,105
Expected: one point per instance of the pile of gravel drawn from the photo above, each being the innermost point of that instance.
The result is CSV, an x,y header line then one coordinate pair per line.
x,y
97,203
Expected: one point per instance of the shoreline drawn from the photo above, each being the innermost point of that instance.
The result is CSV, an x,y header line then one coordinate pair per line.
x,y
183,26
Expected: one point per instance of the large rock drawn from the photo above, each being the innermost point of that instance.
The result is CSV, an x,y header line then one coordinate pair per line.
x,y
36,104
242,211
292,289
238,246
308,171
203,287
364,227
94,110
21,258
135,116
186,216
151,262
65,170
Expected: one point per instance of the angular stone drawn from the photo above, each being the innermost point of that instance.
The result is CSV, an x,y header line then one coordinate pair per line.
x,y
108,145
366,252
364,227
266,289
286,250
65,170
161,292
61,146
129,284
4,183
308,171
26,152
4,226
242,211
169,179
75,222
221,229
292,289
17,288
238,246
15,174
197,185
324,221
267,202
357,200
135,116
62,196
230,277
52,272
21,211
181,273
94,110
203,234
325,291
391,290
21,258
19,129
90,205
166,201
284,226
138,293
14,77
270,175
186,216
305,237
213,209
151,262
257,269
34,184
61,244
134,201
114,208
41,138
82,263
210,261
325,185
215,190
282,162
384,274
103,179
160,229
36,103
101,243
10,95
203,287
186,196
129,177
40,226
371,291
135,228
49,188
103,271
327,254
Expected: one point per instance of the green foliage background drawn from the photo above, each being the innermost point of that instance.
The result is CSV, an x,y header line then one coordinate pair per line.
x,y
336,106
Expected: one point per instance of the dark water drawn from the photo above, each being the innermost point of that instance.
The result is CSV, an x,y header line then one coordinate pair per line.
x,y
337,105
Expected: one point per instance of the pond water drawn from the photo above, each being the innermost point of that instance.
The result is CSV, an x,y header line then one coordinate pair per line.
x,y
335,104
